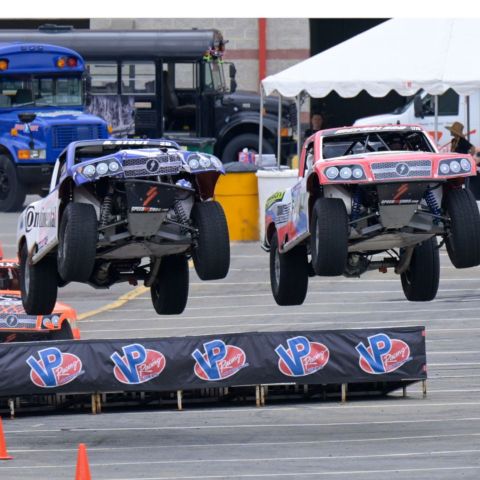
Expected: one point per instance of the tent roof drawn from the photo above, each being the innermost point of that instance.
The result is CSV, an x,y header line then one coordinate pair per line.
x,y
401,54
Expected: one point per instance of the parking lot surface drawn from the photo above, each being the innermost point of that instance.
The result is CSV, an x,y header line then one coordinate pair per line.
x,y
433,438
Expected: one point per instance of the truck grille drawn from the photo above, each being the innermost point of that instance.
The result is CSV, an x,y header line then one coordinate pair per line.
x,y
162,164
62,135
399,170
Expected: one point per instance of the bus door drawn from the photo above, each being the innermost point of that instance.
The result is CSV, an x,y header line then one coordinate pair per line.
x,y
180,96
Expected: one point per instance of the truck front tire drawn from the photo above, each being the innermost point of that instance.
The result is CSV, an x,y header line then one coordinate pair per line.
x,y
246,140
77,242
12,191
463,239
329,237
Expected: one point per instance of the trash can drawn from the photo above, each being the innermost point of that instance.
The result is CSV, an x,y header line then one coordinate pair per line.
x,y
269,182
237,192
194,144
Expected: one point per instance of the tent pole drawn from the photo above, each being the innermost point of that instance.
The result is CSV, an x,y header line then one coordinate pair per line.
x,y
435,126
299,133
260,133
279,128
467,99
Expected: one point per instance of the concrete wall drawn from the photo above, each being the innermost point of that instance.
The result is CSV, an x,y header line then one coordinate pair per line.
x,y
288,40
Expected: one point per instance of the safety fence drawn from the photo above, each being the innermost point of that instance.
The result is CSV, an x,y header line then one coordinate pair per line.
x,y
214,361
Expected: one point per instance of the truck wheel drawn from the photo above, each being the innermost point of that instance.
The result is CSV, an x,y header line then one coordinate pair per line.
x,y
246,140
288,274
329,237
420,280
211,254
170,288
12,191
463,239
77,242
65,333
38,284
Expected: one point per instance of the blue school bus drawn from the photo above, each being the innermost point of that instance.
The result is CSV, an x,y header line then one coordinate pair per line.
x,y
42,100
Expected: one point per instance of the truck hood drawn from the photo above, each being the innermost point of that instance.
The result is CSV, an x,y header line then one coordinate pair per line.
x,y
46,118
251,100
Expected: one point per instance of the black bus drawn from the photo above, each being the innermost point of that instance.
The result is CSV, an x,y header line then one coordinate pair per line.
x,y
170,83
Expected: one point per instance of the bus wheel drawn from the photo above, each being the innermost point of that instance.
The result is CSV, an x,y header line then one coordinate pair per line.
x,y
12,191
249,141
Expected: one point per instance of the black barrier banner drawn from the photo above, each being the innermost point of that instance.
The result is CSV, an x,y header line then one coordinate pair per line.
x,y
182,363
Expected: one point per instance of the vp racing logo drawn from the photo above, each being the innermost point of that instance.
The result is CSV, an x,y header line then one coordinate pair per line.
x,y
137,364
301,357
382,354
218,361
54,368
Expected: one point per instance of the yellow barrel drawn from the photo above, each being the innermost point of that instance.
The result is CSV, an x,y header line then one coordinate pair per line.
x,y
238,195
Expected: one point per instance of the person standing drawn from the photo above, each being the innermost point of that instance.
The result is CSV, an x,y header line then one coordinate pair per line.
x,y
459,143
316,123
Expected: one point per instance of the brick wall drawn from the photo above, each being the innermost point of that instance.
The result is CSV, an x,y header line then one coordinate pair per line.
x,y
288,40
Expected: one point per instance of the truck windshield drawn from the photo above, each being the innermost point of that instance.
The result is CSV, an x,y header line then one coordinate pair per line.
x,y
215,77
40,91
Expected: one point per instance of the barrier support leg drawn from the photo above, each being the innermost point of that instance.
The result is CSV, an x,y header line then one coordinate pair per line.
x,y
98,399
344,392
424,388
262,395
404,391
94,404
11,405
257,396
179,399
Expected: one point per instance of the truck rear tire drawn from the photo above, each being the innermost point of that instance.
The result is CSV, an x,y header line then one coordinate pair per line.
x,y
288,274
463,240
169,290
420,280
211,255
329,237
38,284
77,242
12,191
246,140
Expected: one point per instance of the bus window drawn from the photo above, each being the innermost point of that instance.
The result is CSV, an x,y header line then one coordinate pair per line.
x,y
104,78
215,77
185,76
138,78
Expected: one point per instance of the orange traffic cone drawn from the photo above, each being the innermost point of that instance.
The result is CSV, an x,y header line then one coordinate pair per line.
x,y
83,469
3,445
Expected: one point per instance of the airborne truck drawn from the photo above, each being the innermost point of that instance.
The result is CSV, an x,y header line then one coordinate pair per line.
x,y
41,111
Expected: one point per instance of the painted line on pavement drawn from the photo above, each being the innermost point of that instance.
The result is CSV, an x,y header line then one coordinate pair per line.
x,y
122,300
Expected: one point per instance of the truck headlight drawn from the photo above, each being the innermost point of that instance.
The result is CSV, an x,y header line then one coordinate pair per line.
x,y
465,164
331,173
455,166
346,173
205,162
444,168
113,167
357,173
102,168
89,170
193,163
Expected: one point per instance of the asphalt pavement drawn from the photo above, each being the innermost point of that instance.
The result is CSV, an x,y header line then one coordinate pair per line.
x,y
437,437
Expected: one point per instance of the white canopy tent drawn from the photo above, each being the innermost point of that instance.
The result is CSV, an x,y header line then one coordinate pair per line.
x,y
402,54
